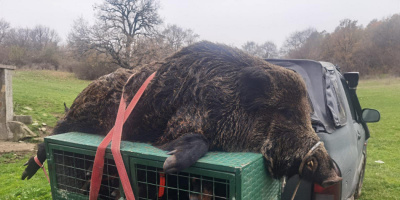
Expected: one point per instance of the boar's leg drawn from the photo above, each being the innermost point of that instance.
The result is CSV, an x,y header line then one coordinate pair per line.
x,y
184,151
32,167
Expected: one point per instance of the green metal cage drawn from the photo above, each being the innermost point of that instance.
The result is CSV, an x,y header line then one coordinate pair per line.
x,y
216,176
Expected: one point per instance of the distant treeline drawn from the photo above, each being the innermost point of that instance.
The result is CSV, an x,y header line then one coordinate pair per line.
x,y
370,50
40,48
95,50
29,46
126,33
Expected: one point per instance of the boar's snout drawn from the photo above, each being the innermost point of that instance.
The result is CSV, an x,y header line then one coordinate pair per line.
x,y
321,169
333,178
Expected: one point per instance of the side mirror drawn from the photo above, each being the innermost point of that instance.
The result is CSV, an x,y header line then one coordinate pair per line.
x,y
370,115
352,79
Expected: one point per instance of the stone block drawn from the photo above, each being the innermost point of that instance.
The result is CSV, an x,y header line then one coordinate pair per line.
x,y
26,119
20,130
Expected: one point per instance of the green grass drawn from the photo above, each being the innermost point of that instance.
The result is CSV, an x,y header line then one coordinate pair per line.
x,y
382,181
42,94
45,92
11,185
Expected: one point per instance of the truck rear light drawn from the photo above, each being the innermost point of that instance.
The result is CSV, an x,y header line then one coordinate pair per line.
x,y
330,193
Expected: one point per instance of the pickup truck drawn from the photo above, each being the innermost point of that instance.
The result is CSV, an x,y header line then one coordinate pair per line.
x,y
339,121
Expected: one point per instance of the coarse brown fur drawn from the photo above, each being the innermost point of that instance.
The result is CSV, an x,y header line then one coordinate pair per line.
x,y
210,97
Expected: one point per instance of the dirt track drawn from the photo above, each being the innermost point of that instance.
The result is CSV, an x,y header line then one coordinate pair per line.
x,y
21,146
6,146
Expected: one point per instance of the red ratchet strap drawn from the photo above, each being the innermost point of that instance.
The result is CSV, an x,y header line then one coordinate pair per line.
x,y
41,166
162,185
115,136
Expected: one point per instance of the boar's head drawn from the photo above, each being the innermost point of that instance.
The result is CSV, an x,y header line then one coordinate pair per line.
x,y
280,100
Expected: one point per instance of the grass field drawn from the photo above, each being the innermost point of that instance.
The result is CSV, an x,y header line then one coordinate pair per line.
x,y
40,94
11,185
45,91
382,181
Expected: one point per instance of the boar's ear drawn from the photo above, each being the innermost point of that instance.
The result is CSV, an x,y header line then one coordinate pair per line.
x,y
66,109
255,88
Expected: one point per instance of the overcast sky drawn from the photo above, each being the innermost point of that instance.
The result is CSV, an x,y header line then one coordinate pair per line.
x,y
226,21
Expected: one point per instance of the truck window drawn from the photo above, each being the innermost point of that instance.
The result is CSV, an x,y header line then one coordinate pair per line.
x,y
334,98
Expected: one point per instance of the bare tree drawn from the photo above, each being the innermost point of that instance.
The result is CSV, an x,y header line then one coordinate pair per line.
x,y
296,40
313,48
18,37
250,47
347,35
18,43
191,37
170,40
177,37
119,23
42,37
147,50
4,26
268,50
79,38
379,48
26,46
344,41
265,50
